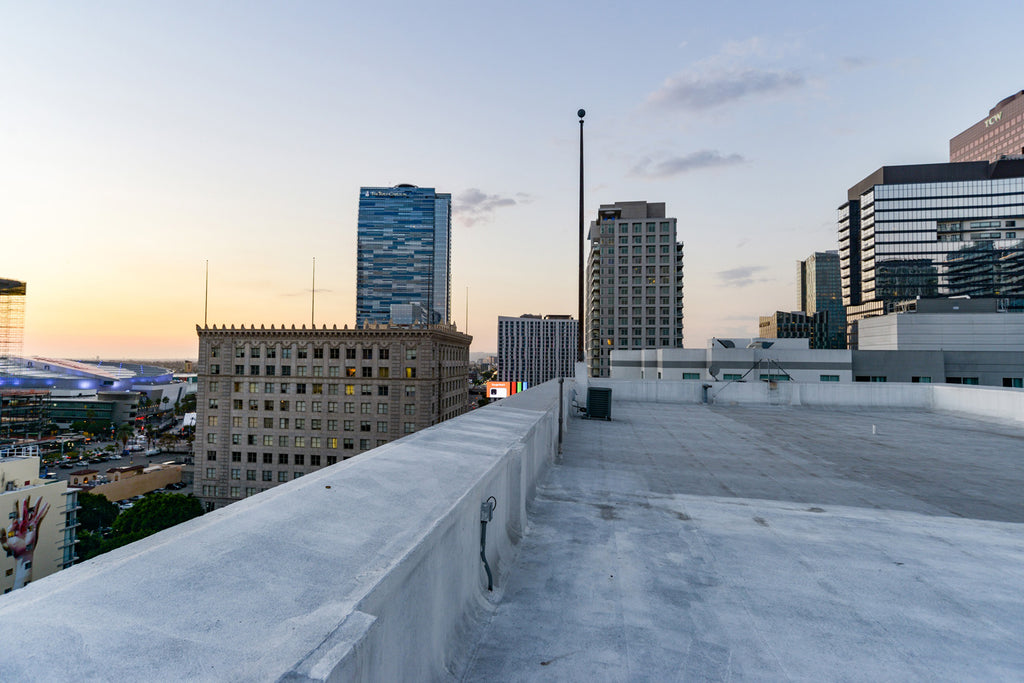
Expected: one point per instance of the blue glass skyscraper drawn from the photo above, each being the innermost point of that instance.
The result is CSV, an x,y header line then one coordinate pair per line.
x,y
404,255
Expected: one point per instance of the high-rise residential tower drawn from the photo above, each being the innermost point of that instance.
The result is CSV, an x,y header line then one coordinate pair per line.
x,y
932,230
534,349
821,294
404,257
635,282
999,133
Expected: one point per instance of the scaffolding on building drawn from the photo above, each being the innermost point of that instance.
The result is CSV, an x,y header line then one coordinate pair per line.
x,y
12,317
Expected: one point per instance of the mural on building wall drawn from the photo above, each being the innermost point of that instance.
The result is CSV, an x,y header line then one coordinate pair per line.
x,y
20,537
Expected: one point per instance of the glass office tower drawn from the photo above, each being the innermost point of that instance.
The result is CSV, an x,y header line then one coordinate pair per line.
x,y
932,230
404,254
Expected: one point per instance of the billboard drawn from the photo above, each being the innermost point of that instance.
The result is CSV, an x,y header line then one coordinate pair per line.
x,y
497,390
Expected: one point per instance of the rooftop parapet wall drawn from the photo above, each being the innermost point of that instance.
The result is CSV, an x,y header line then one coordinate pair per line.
x,y
367,570
985,403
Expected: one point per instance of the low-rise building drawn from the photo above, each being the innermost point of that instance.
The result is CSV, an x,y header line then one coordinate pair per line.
x,y
38,531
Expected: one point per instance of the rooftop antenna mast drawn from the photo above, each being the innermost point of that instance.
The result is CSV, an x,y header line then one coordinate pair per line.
x,y
206,298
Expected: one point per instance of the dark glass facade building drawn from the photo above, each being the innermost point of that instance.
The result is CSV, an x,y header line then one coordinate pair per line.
x,y
821,298
404,254
932,230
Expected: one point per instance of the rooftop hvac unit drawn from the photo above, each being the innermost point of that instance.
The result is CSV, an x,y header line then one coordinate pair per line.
x,y
599,403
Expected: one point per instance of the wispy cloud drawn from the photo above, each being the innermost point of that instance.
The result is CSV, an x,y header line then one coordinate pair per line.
x,y
723,78
743,276
475,206
695,161
852,63
698,91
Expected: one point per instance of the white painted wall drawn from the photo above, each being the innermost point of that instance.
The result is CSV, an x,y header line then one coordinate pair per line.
x,y
942,331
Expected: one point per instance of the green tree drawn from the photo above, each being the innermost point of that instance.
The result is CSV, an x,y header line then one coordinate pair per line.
x,y
188,403
124,432
156,512
166,400
97,512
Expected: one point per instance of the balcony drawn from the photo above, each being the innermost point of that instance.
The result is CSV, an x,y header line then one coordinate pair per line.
x,y
798,532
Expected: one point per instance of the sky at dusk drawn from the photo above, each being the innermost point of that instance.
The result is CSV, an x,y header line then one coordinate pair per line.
x,y
140,140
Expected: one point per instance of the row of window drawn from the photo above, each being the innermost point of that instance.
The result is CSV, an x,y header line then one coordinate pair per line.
x,y
301,441
318,352
333,371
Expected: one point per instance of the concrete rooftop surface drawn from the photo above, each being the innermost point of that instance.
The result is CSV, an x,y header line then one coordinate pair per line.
x,y
694,542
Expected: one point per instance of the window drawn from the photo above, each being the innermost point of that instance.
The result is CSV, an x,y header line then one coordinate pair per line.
x,y
250,475
286,370
364,426
268,387
347,444
410,390
300,406
282,476
239,369
350,372
268,475
382,426
214,351
271,352
236,473
282,458
410,373
268,404
335,354
410,354
410,408
384,354
318,388
211,420
364,408
382,390
409,427
270,370
1013,382
283,406
239,352
211,455
731,376
214,369
318,353
254,369
921,380
364,444
332,406
300,459
235,492
348,425
366,390
300,388
367,372
268,458
367,354
332,459
383,372
300,442
828,378
314,460
301,352
314,442
250,456
382,408
236,456
350,354
691,375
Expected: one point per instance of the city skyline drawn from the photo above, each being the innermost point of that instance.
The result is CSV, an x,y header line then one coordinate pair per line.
x,y
143,142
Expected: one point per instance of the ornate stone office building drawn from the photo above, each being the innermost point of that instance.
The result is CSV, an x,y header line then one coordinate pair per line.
x,y
275,404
